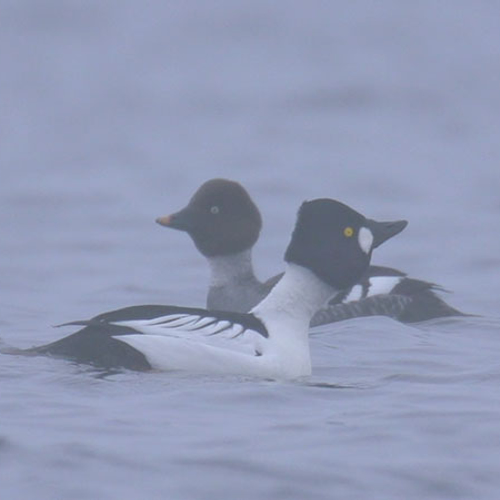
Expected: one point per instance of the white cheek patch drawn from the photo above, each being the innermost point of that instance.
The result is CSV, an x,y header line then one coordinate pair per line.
x,y
365,239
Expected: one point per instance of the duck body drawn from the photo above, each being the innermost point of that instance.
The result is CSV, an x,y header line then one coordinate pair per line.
x,y
225,224
331,246
384,291
102,341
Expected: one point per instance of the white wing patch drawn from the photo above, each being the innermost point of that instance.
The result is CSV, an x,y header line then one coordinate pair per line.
x,y
356,293
198,329
382,284
377,285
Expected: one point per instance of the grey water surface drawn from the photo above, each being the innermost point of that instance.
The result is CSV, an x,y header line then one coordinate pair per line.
x,y
113,113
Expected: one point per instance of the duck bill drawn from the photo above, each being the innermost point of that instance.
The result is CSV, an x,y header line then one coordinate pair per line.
x,y
382,231
182,220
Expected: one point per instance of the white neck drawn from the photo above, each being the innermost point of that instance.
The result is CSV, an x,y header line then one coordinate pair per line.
x,y
299,293
230,269
286,312
297,296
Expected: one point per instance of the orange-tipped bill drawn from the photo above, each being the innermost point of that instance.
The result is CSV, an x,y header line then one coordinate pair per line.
x,y
166,220
184,220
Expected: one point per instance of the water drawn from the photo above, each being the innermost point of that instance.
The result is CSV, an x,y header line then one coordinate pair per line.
x,y
113,113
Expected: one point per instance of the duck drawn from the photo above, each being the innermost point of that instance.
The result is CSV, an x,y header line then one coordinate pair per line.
x,y
330,249
225,223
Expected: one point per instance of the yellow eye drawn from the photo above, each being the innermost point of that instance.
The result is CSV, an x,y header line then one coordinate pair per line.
x,y
348,231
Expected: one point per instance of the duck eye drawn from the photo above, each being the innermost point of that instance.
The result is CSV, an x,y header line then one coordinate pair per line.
x,y
348,231
214,210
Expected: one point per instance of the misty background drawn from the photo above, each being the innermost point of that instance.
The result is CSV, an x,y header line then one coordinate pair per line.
x,y
113,113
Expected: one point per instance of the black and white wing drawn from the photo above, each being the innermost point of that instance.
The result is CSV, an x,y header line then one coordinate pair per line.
x,y
384,291
392,306
238,331
140,337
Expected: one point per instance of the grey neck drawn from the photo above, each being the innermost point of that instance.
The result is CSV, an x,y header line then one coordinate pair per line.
x,y
232,269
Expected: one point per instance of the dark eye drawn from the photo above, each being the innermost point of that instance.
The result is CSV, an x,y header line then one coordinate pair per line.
x,y
214,210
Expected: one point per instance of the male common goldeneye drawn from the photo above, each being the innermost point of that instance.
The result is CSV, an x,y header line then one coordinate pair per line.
x,y
329,251
225,223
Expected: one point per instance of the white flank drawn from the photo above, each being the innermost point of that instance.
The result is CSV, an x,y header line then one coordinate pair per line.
x,y
286,312
181,344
